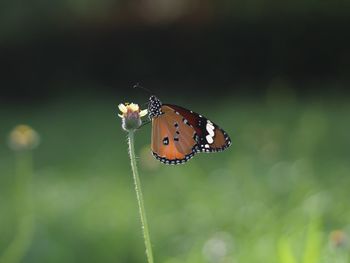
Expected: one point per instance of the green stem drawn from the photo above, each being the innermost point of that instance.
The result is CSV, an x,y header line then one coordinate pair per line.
x,y
142,211
20,244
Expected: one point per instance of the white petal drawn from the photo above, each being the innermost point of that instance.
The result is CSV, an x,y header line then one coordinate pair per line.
x,y
133,107
122,108
143,113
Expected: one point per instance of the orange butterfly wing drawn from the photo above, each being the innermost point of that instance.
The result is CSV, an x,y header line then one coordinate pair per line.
x,y
173,141
220,139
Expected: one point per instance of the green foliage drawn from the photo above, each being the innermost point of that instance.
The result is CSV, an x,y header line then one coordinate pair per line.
x,y
312,244
274,196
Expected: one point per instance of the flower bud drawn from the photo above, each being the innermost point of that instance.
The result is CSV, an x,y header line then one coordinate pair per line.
x,y
131,116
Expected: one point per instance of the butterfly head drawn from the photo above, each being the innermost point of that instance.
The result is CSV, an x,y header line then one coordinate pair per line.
x,y
154,107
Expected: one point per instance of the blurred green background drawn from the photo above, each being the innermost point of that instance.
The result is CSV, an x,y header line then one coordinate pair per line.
x,y
273,74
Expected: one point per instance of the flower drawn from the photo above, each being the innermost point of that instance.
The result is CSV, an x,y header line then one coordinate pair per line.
x,y
23,137
131,116
338,238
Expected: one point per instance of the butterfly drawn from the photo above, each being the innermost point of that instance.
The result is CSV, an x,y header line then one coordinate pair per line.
x,y
178,134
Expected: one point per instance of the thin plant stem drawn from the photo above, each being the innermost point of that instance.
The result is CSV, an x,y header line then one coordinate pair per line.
x,y
20,244
141,206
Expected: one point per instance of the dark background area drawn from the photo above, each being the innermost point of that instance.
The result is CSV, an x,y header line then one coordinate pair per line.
x,y
222,46
273,74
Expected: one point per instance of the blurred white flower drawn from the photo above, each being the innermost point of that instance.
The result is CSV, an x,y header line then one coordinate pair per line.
x,y
23,137
218,247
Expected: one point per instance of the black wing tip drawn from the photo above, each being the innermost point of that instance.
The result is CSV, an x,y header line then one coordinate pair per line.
x,y
227,144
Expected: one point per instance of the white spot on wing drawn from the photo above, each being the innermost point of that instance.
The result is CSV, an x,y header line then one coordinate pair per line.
x,y
211,126
210,129
209,139
211,132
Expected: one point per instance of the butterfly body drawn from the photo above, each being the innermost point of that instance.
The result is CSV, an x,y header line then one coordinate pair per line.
x,y
178,134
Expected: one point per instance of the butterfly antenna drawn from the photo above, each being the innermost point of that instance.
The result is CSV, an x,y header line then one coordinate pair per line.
x,y
138,86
